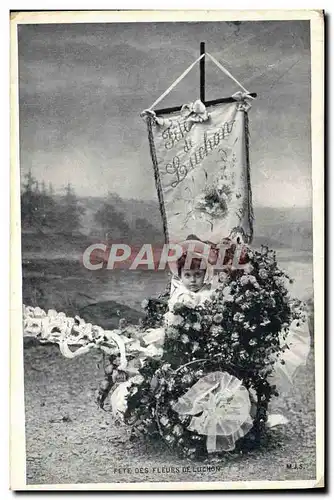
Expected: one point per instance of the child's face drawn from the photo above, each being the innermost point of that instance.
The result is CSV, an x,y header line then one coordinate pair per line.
x,y
193,279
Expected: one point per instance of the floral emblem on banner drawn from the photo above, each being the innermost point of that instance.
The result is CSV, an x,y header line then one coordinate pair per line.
x,y
214,200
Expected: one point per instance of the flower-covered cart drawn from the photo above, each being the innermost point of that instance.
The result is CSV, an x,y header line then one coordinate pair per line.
x,y
207,387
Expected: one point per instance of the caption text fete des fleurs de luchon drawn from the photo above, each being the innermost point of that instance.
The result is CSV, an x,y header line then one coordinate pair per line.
x,y
167,469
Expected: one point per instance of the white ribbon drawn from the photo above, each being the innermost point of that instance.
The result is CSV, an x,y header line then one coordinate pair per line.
x,y
176,82
224,70
65,350
224,407
121,346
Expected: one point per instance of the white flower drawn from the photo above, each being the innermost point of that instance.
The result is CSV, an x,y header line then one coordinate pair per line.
x,y
184,338
244,280
170,384
169,438
246,325
222,277
197,326
238,317
216,330
172,319
189,301
186,379
248,268
228,298
252,342
218,318
153,351
137,379
172,332
235,337
195,347
164,420
263,274
265,322
178,320
177,430
254,282
168,318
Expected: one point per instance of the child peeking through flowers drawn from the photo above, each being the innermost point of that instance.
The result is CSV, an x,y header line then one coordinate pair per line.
x,y
191,285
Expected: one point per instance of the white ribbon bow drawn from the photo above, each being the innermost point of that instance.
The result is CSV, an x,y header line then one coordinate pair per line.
x,y
241,97
220,406
195,111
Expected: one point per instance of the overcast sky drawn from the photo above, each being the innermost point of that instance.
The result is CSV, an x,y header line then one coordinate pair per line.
x,y
83,86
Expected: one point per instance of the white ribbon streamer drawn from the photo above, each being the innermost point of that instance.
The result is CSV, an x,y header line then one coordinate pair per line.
x,y
121,346
224,70
176,82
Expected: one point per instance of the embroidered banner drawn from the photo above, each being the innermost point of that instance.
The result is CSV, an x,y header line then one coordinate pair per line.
x,y
201,167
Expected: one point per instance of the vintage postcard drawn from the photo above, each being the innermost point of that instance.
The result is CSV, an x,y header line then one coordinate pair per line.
x,y
167,249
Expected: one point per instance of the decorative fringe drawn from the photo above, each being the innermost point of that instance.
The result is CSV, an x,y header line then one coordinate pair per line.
x,y
149,121
250,197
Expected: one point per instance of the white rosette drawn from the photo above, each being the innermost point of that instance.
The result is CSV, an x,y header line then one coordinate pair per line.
x,y
220,406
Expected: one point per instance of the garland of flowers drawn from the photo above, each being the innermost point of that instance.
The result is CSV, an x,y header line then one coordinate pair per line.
x,y
57,328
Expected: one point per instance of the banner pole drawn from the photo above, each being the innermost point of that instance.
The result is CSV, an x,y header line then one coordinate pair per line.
x,y
202,73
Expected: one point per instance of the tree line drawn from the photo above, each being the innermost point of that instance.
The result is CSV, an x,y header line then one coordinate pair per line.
x,y
44,211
